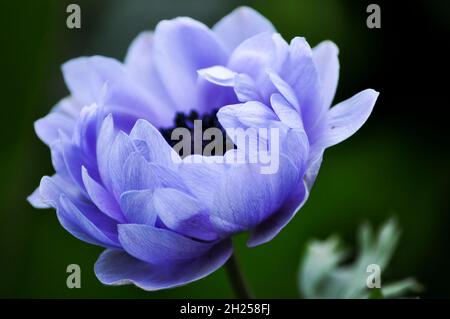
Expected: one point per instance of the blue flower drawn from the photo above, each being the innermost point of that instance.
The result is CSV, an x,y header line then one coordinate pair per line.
x,y
166,220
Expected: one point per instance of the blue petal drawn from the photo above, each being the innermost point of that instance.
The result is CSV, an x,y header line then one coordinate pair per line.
x,y
219,75
106,81
253,57
240,25
137,174
120,151
285,111
90,225
138,207
159,151
51,188
325,56
181,47
300,72
240,205
140,63
61,119
36,200
115,267
101,197
49,127
105,140
345,118
268,229
159,246
183,214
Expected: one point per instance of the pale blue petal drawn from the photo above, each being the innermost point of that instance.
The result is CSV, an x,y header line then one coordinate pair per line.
x,y
345,118
159,246
241,24
183,213
115,267
325,56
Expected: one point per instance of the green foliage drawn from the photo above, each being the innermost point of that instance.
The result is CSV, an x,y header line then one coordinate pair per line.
x,y
323,273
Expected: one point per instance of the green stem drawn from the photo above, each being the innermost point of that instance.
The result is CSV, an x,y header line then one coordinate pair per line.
x,y
237,280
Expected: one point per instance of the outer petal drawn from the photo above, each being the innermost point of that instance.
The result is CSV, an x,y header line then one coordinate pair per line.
x,y
183,46
93,228
61,119
344,119
36,200
140,62
240,25
115,267
49,127
158,245
325,56
78,216
240,205
108,82
268,229
101,197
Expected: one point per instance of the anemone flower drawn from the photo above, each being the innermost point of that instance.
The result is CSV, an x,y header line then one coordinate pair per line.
x,y
165,219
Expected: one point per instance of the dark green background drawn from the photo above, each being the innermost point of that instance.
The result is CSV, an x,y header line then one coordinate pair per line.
x,y
397,164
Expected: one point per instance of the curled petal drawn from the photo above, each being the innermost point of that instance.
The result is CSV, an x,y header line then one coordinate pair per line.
x,y
345,118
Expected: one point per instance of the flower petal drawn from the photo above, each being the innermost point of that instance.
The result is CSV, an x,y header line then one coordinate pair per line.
x,y
138,207
345,118
325,56
116,267
49,127
240,25
240,205
285,111
90,226
159,151
268,229
183,214
300,73
138,174
181,47
101,197
219,75
140,63
159,246
36,200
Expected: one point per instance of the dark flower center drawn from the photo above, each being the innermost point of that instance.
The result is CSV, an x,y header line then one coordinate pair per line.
x,y
207,121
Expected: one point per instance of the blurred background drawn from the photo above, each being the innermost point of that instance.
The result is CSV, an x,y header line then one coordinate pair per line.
x,y
398,164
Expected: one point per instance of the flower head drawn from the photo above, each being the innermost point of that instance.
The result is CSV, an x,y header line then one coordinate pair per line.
x,y
167,219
